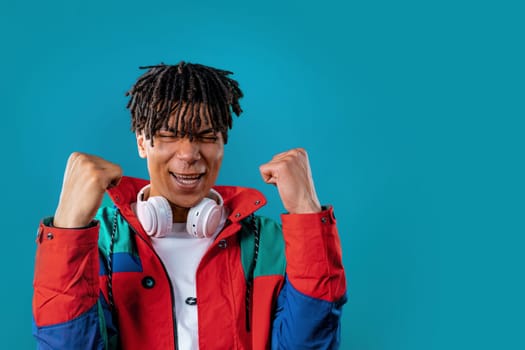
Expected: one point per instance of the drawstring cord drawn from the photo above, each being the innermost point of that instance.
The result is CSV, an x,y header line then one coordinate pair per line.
x,y
249,281
110,263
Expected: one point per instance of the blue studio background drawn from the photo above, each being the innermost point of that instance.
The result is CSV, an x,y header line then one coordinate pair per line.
x,y
412,113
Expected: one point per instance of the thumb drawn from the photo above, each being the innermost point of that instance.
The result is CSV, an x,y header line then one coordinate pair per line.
x,y
267,174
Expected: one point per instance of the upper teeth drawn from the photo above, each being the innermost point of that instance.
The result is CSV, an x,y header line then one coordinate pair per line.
x,y
188,177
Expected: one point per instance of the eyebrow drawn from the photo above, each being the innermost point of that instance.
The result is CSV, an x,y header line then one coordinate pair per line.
x,y
206,131
202,132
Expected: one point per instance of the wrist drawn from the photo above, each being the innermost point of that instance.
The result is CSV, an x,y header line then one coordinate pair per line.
x,y
72,224
307,209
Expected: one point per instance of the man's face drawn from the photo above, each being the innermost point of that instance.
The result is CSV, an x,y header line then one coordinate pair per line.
x,y
182,171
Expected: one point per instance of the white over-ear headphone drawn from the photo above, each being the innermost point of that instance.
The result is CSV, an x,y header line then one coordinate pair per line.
x,y
157,219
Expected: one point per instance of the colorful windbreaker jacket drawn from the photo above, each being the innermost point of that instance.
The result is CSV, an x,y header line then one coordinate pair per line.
x,y
259,286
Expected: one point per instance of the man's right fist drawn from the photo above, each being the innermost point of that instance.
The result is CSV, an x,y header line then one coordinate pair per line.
x,y
85,180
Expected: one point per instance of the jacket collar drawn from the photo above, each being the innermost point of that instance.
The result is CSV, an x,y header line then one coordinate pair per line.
x,y
240,201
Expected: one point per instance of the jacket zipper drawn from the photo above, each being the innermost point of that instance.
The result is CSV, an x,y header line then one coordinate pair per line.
x,y
172,293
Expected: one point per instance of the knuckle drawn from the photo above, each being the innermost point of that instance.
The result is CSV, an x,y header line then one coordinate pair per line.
x,y
299,152
265,166
88,165
74,156
84,160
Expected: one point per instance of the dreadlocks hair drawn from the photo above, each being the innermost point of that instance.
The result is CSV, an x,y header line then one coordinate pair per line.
x,y
187,95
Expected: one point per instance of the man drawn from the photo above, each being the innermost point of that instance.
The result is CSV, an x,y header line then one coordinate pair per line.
x,y
177,263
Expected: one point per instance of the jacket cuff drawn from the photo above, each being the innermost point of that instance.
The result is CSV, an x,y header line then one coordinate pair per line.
x,y
58,235
300,221
313,254
66,272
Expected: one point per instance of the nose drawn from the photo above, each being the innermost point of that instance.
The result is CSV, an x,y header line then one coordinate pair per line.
x,y
188,151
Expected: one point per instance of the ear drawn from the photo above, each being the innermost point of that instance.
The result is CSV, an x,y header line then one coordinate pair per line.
x,y
141,144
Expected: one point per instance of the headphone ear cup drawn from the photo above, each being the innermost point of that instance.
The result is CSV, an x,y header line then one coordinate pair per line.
x,y
155,215
146,216
204,218
163,215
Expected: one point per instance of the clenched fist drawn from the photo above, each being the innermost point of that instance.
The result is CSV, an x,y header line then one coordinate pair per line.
x,y
290,172
85,180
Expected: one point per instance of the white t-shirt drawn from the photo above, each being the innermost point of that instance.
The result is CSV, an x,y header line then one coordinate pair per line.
x,y
181,255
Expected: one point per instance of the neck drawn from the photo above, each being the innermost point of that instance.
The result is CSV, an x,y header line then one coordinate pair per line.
x,y
180,214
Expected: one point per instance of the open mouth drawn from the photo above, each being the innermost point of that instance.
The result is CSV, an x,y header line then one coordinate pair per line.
x,y
187,179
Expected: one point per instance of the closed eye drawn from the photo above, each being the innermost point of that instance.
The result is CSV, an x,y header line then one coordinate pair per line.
x,y
207,136
167,136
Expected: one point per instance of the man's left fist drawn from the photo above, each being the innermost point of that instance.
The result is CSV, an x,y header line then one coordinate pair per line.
x,y
290,172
